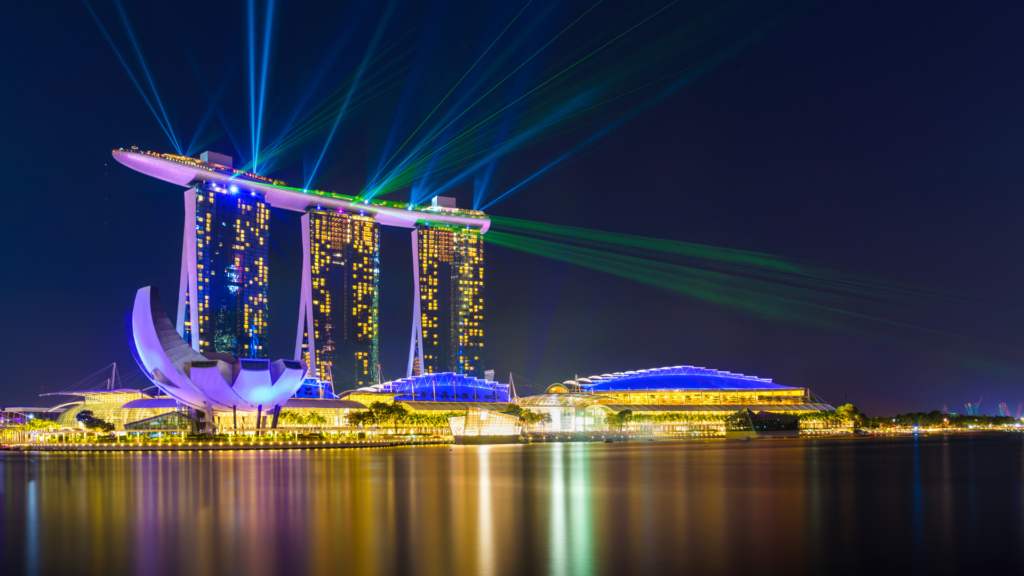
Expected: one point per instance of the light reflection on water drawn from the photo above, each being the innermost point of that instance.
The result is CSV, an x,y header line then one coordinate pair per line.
x,y
799,506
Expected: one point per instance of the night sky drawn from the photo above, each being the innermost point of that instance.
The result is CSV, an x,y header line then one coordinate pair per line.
x,y
881,139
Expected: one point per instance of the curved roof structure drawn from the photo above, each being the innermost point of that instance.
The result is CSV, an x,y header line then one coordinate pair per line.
x,y
184,171
671,378
443,386
221,380
565,399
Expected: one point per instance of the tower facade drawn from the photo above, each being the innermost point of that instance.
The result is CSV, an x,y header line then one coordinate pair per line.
x,y
338,331
222,297
448,307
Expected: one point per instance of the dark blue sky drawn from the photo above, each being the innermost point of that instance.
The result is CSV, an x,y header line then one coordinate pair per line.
x,y
872,137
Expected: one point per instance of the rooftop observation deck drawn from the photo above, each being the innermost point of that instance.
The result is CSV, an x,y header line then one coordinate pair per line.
x,y
186,172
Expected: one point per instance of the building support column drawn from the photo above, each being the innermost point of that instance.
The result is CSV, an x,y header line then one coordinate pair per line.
x,y
189,284
183,283
306,303
416,341
211,426
277,412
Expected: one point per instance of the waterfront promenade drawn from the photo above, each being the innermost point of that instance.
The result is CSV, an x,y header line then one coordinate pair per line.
x,y
223,446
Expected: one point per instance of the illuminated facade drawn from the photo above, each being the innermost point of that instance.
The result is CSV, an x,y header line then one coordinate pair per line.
x,y
685,385
118,407
339,300
481,426
222,301
673,398
448,313
222,304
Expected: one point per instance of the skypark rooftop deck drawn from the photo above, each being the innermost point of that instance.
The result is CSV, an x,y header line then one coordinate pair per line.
x,y
186,171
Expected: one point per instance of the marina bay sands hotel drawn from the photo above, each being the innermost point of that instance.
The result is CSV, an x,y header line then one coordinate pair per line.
x,y
222,295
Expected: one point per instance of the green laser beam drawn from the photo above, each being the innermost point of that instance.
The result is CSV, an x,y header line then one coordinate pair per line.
x,y
761,284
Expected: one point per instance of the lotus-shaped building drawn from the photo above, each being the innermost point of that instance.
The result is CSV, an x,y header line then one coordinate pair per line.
x,y
212,382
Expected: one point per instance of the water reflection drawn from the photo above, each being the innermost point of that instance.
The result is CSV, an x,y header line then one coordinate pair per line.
x,y
803,507
918,509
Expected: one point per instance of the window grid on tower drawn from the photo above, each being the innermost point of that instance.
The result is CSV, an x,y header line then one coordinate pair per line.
x,y
344,275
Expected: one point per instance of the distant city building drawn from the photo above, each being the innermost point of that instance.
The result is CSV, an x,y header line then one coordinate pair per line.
x,y
339,299
448,314
222,300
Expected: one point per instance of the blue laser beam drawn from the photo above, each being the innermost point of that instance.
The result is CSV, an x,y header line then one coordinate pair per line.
x,y
520,139
554,77
149,78
412,88
596,136
267,30
138,86
251,21
211,107
212,98
355,84
481,57
322,68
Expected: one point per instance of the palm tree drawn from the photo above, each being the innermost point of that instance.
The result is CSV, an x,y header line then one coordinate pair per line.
x,y
316,419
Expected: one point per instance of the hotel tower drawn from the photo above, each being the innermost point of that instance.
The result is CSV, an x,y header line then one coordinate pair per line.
x,y
222,295
448,301
337,331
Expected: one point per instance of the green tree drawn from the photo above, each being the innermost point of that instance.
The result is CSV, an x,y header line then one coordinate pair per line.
x,y
849,414
396,414
290,417
380,412
530,418
363,418
315,419
99,425
39,424
620,419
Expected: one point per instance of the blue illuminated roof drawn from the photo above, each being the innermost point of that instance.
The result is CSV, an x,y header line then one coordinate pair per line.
x,y
446,387
677,378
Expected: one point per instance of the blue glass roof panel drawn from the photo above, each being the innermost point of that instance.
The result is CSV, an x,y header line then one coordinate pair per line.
x,y
682,378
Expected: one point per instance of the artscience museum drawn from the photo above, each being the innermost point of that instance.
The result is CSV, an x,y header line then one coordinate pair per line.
x,y
211,382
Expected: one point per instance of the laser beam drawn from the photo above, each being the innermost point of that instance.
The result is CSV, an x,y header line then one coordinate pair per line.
x,y
355,84
166,128
768,295
149,78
